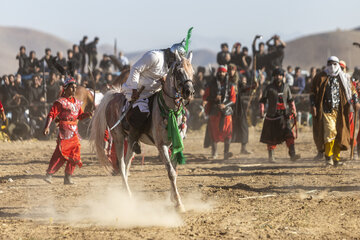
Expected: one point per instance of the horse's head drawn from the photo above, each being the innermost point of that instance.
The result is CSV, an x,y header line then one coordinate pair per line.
x,y
183,75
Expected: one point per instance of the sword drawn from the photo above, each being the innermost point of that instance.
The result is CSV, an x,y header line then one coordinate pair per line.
x,y
126,111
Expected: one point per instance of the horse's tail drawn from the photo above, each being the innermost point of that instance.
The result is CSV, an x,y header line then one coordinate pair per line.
x,y
98,127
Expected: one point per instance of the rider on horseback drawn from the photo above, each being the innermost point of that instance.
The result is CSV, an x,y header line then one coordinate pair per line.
x,y
150,72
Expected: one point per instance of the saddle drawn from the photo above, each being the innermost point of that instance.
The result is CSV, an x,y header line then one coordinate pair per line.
x,y
114,111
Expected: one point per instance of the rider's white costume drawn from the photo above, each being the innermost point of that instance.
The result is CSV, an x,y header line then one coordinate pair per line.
x,y
147,72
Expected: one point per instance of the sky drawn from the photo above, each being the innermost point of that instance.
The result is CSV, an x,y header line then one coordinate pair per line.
x,y
142,25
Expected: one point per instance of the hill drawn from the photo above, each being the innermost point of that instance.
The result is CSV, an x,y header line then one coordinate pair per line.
x,y
11,38
313,50
306,51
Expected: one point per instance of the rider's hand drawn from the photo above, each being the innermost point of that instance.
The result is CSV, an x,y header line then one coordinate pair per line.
x,y
162,80
221,106
135,95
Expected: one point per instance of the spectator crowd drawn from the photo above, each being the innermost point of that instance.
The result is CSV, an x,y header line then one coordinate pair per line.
x,y
27,95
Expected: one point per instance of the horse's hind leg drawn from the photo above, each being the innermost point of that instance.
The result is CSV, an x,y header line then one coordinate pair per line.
x,y
164,154
119,146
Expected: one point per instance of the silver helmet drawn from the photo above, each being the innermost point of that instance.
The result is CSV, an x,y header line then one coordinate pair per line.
x,y
180,48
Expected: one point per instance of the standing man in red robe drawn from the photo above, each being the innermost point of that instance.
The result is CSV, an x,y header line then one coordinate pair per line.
x,y
219,97
68,110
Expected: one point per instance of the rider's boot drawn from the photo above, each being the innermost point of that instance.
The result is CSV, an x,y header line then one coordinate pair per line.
x,y
137,120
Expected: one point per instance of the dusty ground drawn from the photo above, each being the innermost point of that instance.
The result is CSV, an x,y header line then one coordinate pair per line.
x,y
240,198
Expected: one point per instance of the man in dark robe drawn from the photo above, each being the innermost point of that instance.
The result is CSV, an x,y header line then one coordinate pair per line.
x,y
281,107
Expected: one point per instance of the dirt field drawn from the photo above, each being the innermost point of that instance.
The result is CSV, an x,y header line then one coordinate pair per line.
x,y
240,198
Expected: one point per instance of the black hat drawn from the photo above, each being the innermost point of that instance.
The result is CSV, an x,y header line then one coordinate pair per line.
x,y
278,71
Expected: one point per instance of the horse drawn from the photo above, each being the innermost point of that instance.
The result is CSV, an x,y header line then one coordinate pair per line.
x,y
87,98
119,80
177,90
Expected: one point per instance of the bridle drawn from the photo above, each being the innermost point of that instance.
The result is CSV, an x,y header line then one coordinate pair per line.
x,y
178,73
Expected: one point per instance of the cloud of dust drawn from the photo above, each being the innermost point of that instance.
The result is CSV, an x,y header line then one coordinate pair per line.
x,y
110,206
193,202
115,208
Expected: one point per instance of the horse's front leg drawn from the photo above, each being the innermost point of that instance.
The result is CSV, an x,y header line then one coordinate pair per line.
x,y
164,154
119,146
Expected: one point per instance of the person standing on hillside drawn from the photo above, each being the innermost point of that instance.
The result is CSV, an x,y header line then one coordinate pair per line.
x,y
236,55
221,56
68,110
91,50
330,98
275,54
281,108
82,48
259,54
22,57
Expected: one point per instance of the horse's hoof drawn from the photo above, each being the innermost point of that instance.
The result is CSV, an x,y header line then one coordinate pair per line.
x,y
180,208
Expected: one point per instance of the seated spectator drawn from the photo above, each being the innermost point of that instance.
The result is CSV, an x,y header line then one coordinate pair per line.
x,y
6,91
53,88
18,85
105,64
37,93
19,127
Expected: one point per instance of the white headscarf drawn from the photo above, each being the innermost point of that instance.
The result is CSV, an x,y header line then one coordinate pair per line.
x,y
334,70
